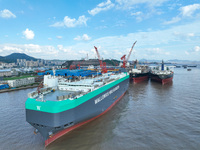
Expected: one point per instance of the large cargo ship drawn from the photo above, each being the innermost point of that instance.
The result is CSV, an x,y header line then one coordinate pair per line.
x,y
63,105
139,72
162,74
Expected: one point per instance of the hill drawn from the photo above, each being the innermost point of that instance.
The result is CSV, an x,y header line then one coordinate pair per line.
x,y
14,56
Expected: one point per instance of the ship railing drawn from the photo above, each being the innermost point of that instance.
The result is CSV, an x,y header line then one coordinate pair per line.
x,y
70,96
34,94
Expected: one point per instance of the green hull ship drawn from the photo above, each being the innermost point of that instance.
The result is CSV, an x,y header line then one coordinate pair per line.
x,y
63,105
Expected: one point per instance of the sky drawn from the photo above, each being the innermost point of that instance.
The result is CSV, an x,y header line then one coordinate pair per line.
x,y
69,29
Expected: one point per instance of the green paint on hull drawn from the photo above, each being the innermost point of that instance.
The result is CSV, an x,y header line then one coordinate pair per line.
x,y
59,106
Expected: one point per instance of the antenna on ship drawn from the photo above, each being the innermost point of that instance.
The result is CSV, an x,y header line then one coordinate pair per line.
x,y
54,72
162,65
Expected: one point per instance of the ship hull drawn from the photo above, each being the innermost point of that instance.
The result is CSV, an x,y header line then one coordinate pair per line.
x,y
61,123
139,77
164,79
65,131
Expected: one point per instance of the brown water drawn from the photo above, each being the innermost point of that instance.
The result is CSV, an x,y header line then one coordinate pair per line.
x,y
150,116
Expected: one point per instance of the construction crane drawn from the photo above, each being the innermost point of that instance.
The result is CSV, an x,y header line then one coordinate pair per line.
x,y
79,64
102,64
125,60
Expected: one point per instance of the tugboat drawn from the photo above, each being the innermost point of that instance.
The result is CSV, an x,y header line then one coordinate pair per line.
x,y
139,73
161,74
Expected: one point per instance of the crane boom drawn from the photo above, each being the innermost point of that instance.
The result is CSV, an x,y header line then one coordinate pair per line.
x,y
125,60
130,51
100,61
102,65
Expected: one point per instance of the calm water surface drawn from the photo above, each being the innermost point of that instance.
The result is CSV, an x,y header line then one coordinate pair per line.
x,y
150,116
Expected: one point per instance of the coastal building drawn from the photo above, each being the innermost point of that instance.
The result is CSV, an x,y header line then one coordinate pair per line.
x,y
5,73
21,82
7,65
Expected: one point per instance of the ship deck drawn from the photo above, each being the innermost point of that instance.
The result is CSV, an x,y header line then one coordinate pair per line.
x,y
53,95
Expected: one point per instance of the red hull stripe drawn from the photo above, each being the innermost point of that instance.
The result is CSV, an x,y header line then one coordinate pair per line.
x,y
63,132
164,81
139,79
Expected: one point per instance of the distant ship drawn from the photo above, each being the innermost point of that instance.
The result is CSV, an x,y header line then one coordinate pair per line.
x,y
161,74
139,73
192,65
63,105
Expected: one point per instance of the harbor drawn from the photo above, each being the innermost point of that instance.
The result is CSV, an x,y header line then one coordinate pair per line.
x,y
149,116
100,75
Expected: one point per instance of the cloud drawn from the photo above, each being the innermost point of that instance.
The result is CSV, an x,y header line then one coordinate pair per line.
x,y
59,37
29,34
101,7
150,8
188,11
197,49
156,51
6,14
66,50
173,20
139,15
168,43
187,53
70,23
185,11
136,13
194,51
84,37
38,51
12,48
184,35
128,4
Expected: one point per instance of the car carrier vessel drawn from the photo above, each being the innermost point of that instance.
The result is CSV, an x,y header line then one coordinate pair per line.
x,y
62,105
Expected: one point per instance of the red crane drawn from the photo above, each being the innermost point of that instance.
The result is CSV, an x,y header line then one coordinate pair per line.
x,y
102,65
125,60
79,64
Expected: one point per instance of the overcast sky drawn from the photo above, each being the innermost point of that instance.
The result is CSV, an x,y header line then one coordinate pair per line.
x,y
69,29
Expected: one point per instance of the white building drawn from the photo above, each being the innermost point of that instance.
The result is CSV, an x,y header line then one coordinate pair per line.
x,y
20,82
6,73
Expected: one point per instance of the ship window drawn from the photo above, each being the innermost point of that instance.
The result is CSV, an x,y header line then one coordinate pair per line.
x,y
57,127
65,125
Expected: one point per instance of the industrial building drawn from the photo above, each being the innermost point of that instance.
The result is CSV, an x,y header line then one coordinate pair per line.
x,y
5,73
21,82
67,72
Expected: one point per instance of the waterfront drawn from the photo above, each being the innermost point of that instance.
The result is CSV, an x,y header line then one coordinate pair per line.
x,y
149,116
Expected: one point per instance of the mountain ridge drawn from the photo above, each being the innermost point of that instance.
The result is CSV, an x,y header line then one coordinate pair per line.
x,y
12,58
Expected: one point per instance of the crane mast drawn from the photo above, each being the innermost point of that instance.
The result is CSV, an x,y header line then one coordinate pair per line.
x,y
125,60
102,65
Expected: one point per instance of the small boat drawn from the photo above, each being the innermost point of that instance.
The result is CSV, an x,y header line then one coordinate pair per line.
x,y
162,74
184,66
178,66
189,69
